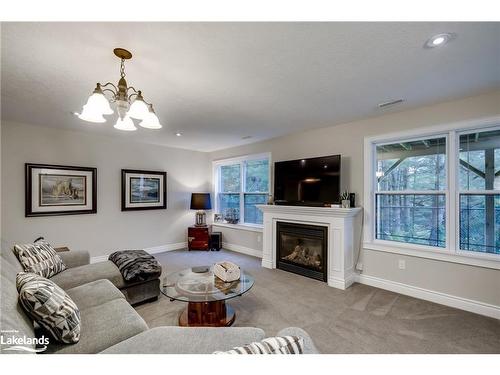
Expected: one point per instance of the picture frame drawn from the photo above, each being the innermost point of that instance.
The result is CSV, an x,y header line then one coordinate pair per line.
x,y
143,190
53,190
218,218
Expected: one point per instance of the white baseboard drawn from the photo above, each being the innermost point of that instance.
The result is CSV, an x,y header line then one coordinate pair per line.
x,y
267,264
149,250
242,250
341,283
429,295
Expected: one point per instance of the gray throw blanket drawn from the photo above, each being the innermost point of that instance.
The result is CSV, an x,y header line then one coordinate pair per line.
x,y
136,265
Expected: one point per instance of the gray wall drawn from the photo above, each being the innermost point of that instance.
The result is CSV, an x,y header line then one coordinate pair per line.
x,y
347,139
110,229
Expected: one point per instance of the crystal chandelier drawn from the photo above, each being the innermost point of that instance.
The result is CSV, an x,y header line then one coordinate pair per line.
x,y
98,105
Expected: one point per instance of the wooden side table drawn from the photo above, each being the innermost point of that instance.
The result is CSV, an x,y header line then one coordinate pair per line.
x,y
199,238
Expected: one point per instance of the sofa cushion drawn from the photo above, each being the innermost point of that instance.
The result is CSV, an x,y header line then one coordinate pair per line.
x,y
185,340
94,293
73,277
49,306
309,347
270,345
103,326
39,258
75,258
15,324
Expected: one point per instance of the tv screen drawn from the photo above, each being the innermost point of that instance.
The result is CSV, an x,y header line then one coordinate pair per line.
x,y
307,182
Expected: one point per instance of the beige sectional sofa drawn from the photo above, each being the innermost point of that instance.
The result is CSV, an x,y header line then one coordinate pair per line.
x,y
109,324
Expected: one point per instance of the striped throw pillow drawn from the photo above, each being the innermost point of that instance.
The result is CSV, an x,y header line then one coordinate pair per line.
x,y
39,258
49,306
271,345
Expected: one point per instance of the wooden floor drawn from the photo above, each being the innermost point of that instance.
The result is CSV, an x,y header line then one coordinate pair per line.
x,y
361,319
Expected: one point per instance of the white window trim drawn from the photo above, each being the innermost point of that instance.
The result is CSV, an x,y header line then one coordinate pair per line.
x,y
216,183
451,253
248,227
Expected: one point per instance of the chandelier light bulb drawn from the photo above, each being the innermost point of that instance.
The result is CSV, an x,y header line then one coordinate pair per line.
x,y
151,120
139,109
126,124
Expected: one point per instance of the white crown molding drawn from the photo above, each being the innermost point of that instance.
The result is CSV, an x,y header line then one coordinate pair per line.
x,y
149,250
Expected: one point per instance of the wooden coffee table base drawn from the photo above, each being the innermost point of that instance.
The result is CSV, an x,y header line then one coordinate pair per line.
x,y
207,314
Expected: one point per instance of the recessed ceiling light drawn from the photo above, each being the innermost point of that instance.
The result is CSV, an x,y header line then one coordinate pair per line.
x,y
74,113
439,40
178,134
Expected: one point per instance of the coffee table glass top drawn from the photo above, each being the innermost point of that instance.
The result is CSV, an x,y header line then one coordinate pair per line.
x,y
189,286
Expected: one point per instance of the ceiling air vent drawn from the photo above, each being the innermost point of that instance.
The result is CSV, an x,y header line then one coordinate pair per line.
x,y
390,103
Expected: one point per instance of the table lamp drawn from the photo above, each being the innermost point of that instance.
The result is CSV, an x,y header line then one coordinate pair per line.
x,y
200,202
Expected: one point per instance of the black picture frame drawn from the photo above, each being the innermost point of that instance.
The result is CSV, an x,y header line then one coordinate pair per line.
x,y
126,199
91,203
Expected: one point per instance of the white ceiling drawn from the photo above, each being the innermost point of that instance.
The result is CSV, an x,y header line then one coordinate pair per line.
x,y
219,82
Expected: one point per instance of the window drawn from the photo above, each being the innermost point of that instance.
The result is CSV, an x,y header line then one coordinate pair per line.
x,y
410,197
240,185
438,192
479,191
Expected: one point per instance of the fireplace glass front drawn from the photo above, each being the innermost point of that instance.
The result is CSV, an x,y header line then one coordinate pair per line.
x,y
302,249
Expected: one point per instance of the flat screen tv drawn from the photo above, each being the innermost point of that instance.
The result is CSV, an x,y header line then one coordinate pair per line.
x,y
307,182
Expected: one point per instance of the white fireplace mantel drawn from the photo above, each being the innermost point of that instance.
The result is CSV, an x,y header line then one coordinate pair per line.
x,y
343,230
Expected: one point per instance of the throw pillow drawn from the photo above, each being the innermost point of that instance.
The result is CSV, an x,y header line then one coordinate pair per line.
x,y
39,258
271,345
48,305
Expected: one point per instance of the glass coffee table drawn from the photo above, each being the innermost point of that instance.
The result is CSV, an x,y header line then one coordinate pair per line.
x,y
206,296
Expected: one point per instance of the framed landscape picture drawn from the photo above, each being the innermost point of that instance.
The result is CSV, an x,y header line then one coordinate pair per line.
x,y
59,190
143,190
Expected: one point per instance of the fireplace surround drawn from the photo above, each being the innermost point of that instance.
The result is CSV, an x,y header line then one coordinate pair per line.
x,y
302,249
343,228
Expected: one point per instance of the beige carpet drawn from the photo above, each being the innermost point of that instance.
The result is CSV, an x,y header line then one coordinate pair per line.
x,y
361,319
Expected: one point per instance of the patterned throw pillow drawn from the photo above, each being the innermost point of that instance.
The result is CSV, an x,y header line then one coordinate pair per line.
x,y
49,306
271,345
39,258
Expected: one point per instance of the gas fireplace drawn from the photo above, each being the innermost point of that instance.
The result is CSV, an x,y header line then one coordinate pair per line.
x,y
302,249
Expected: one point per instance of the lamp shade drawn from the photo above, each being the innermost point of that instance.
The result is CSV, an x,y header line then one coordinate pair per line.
x,y
91,115
201,201
139,109
126,124
151,120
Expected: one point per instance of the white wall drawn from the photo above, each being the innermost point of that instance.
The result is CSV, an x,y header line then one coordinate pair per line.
x,y
110,229
465,281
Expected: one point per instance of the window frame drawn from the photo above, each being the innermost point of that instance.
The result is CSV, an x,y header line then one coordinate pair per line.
x,y
444,192
460,192
241,160
451,252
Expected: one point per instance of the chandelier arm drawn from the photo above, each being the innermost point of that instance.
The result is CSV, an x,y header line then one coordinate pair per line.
x,y
133,89
112,84
111,91
131,95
